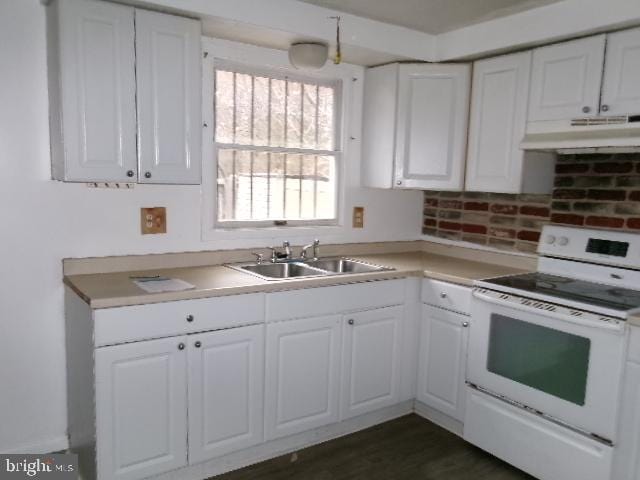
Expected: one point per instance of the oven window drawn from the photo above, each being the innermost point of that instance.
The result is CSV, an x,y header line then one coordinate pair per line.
x,y
548,360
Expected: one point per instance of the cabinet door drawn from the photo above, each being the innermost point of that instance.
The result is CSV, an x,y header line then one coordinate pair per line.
x,y
566,78
498,120
621,87
433,106
371,360
302,375
226,377
627,454
93,114
441,367
168,73
141,408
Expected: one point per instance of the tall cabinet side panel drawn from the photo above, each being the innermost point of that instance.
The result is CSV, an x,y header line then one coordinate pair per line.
x,y
81,411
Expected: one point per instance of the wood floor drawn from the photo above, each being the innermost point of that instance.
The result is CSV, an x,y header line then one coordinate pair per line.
x,y
409,448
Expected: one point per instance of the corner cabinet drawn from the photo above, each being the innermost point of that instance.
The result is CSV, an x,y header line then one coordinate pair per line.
x,y
415,126
117,72
566,78
568,81
495,162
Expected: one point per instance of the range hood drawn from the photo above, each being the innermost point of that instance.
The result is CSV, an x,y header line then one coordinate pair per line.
x,y
615,134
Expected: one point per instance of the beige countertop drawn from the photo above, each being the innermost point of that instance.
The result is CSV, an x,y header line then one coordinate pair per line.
x,y
106,290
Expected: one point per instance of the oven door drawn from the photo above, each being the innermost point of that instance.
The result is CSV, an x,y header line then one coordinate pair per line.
x,y
565,364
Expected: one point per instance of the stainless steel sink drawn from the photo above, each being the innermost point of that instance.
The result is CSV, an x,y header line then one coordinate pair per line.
x,y
280,270
308,268
345,265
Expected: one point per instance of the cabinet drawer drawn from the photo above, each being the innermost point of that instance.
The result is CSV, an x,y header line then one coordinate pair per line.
x,y
126,324
319,301
634,345
447,295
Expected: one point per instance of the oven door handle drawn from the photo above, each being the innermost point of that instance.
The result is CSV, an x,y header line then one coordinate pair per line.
x,y
615,325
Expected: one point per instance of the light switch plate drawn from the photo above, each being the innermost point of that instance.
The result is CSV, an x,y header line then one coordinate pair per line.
x,y
153,220
358,217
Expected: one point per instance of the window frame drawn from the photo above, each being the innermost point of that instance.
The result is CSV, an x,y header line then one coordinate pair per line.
x,y
337,153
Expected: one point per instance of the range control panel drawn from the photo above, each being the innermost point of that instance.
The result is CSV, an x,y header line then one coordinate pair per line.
x,y
606,247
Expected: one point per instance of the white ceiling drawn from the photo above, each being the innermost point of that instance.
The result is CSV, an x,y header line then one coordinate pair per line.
x,y
431,16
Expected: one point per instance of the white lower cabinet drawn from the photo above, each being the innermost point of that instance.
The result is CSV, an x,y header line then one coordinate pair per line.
x,y
141,408
226,379
441,366
371,360
302,375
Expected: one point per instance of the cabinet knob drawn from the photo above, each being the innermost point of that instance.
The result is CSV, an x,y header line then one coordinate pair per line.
x,y
129,173
399,182
181,346
198,344
586,109
443,294
350,321
605,108
147,174
189,318
465,324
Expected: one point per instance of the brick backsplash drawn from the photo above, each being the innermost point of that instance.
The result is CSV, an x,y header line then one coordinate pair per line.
x,y
599,191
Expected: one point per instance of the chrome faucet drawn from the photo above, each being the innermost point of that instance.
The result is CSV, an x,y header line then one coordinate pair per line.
x,y
281,256
316,250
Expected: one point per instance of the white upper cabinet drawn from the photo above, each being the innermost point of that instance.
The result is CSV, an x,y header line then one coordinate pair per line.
x,y
415,126
168,74
495,162
102,59
497,124
92,89
621,84
566,78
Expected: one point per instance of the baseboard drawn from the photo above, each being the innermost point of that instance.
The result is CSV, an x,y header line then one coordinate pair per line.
x,y
283,446
55,444
439,418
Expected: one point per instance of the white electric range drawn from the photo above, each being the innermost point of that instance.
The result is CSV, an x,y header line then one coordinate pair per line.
x,y
547,351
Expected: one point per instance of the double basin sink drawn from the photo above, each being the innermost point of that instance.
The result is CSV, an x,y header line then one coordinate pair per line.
x,y
308,268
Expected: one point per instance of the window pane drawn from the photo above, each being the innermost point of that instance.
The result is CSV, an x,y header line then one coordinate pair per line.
x,y
244,108
278,97
548,360
260,111
224,106
325,119
254,185
326,187
310,116
294,114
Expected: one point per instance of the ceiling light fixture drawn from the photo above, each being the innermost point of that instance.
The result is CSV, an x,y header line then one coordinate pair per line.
x,y
308,55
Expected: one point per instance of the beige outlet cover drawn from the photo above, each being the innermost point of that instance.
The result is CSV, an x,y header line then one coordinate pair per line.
x,y
153,220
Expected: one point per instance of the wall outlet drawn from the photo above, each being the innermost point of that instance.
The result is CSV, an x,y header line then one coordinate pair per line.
x,y
153,220
358,217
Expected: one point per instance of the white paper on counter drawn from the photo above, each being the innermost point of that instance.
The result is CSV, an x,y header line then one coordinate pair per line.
x,y
160,285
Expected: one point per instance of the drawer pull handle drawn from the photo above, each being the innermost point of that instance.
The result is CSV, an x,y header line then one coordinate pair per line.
x,y
181,346
350,321
189,318
198,344
443,295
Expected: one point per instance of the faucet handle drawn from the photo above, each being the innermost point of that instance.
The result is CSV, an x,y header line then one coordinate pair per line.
x,y
259,257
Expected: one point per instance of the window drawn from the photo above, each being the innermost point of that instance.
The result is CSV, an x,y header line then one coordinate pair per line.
x,y
275,145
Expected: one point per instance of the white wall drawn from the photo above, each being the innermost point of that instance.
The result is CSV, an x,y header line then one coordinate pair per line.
x,y
42,221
